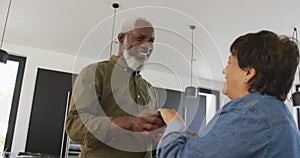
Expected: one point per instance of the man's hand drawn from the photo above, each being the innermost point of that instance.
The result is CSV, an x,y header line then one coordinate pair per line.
x,y
144,122
169,115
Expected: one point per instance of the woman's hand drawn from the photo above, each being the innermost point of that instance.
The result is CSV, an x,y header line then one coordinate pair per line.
x,y
169,115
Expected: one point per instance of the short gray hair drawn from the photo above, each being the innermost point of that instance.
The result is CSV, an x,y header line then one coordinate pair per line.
x,y
130,24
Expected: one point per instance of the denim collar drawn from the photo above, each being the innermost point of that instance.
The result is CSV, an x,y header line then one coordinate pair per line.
x,y
250,95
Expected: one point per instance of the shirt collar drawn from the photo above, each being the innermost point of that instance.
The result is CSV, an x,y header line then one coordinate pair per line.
x,y
121,62
251,96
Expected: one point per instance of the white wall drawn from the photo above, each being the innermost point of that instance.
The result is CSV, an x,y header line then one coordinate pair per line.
x,y
177,82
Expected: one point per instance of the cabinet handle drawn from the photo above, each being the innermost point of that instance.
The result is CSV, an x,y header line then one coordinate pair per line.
x,y
64,130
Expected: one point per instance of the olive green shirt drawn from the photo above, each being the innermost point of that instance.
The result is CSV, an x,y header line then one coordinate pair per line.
x,y
101,92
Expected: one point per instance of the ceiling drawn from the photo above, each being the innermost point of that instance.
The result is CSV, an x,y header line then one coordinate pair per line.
x,y
84,27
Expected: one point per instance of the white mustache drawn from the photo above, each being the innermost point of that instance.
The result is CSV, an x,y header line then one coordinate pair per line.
x,y
143,51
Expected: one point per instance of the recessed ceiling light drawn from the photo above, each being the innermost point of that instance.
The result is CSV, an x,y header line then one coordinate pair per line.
x,y
16,19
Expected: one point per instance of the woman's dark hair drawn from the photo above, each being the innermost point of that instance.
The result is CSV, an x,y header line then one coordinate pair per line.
x,y
275,59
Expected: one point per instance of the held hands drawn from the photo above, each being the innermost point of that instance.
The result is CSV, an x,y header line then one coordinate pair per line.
x,y
146,121
169,115
150,123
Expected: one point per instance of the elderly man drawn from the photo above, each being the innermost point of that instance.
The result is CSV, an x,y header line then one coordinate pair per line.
x,y
112,112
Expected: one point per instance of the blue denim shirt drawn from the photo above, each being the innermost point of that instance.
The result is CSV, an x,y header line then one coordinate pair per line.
x,y
254,126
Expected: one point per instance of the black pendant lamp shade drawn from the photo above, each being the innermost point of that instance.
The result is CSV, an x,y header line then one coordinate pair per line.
x,y
191,91
3,56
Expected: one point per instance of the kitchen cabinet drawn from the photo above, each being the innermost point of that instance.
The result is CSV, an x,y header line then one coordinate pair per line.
x,y
46,132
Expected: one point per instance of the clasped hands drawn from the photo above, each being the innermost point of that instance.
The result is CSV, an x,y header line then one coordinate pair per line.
x,y
148,122
151,120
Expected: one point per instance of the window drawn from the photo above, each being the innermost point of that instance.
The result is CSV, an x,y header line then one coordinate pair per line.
x,y
11,76
193,110
212,102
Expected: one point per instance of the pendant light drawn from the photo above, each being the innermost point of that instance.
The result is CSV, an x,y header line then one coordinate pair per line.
x,y
192,91
296,95
115,6
3,54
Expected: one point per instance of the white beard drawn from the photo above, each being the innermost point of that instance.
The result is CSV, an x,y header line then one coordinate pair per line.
x,y
132,62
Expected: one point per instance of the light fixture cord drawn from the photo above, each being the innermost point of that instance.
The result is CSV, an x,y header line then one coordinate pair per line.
x,y
295,36
112,32
6,19
192,56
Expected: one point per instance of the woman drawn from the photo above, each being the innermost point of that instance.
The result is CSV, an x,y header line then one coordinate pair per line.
x,y
255,123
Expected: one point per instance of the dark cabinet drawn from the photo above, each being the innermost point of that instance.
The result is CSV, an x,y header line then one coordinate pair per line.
x,y
51,98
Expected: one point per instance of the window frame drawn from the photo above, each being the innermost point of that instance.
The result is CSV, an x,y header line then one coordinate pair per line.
x,y
15,101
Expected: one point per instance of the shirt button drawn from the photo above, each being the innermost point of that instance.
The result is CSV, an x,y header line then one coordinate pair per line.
x,y
138,96
125,69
